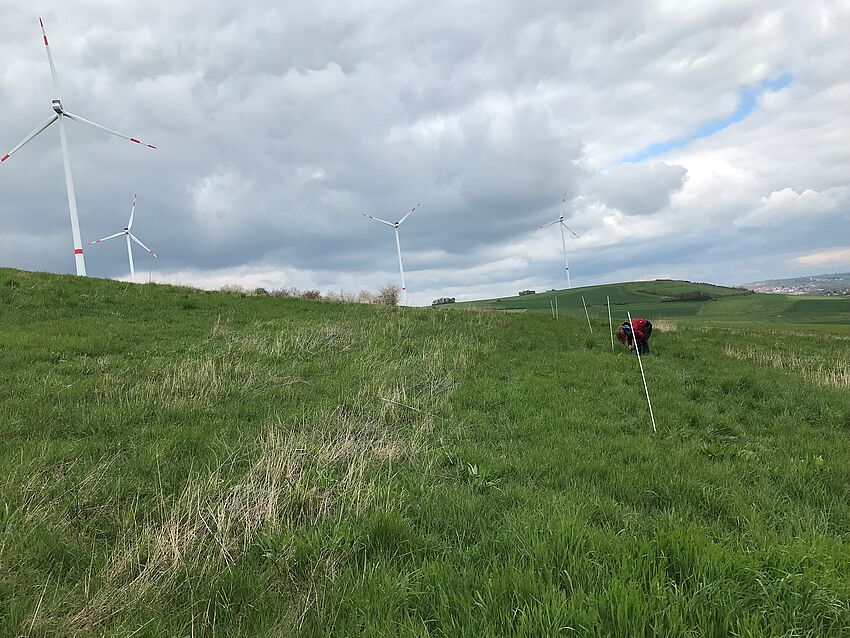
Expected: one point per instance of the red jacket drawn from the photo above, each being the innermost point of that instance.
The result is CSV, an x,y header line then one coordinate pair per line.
x,y
638,326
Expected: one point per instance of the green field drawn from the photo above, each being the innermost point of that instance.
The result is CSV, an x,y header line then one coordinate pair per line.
x,y
645,298
187,463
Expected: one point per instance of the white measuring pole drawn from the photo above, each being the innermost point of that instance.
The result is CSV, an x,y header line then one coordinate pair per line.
x,y
586,315
643,376
557,314
610,325
552,308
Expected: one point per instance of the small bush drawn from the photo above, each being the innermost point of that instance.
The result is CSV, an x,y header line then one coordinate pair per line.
x,y
233,289
311,294
389,295
261,292
342,295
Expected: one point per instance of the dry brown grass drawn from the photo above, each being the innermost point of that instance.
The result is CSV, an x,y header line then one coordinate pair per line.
x,y
665,325
814,369
320,471
333,465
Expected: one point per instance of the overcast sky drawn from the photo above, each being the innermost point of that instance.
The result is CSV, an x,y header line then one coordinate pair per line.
x,y
700,140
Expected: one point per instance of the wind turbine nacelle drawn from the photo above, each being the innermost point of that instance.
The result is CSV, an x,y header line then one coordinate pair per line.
x,y
57,106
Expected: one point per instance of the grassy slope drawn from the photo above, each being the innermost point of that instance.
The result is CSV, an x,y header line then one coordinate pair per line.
x,y
180,463
644,298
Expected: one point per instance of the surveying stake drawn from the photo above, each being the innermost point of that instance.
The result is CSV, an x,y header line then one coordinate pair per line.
x,y
643,376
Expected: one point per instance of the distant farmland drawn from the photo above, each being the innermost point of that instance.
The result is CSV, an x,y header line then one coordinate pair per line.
x,y
647,298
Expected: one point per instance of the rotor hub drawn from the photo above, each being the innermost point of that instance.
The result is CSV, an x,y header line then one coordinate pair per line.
x,y
57,106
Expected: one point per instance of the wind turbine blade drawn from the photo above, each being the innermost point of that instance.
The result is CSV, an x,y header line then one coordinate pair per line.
x,y
136,239
383,221
97,241
132,212
50,61
83,120
549,224
29,137
401,221
571,231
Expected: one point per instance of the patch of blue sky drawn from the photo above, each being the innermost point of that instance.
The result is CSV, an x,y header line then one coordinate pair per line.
x,y
748,98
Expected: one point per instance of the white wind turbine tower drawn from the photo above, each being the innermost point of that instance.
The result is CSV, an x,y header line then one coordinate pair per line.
x,y
59,116
394,226
126,233
564,227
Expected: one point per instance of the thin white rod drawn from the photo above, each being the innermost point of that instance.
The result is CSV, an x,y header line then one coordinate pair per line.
x,y
610,324
642,375
72,202
82,120
552,308
139,242
107,238
132,213
36,131
130,257
557,314
383,221
548,224
586,314
53,73
566,262
401,221
400,266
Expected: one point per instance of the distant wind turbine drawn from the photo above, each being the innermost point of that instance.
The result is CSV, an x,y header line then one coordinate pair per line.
x,y
59,116
126,233
394,226
563,226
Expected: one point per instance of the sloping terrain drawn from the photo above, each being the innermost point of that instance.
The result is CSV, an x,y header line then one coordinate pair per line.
x,y
182,463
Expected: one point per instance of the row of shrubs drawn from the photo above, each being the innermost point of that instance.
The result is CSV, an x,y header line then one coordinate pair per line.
x,y
386,296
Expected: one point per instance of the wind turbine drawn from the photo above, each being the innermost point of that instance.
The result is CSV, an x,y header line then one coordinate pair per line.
x,y
59,116
394,226
563,226
126,233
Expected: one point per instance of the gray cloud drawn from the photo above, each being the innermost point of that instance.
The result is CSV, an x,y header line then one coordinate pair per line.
x,y
279,124
637,189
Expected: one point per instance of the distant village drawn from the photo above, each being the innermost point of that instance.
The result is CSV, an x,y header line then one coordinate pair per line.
x,y
832,285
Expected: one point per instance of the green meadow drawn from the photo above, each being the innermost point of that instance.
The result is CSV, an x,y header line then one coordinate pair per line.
x,y
187,463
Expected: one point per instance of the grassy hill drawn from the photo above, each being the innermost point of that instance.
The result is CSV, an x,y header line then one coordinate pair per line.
x,y
185,463
654,300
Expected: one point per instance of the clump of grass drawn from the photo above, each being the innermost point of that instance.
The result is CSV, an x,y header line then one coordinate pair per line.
x,y
665,325
320,470
818,369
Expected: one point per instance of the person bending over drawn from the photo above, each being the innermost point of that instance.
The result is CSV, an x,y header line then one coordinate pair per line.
x,y
639,331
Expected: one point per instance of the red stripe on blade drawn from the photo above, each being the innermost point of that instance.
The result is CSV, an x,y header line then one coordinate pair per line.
x,y
45,41
4,158
41,23
78,251
151,146
133,139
